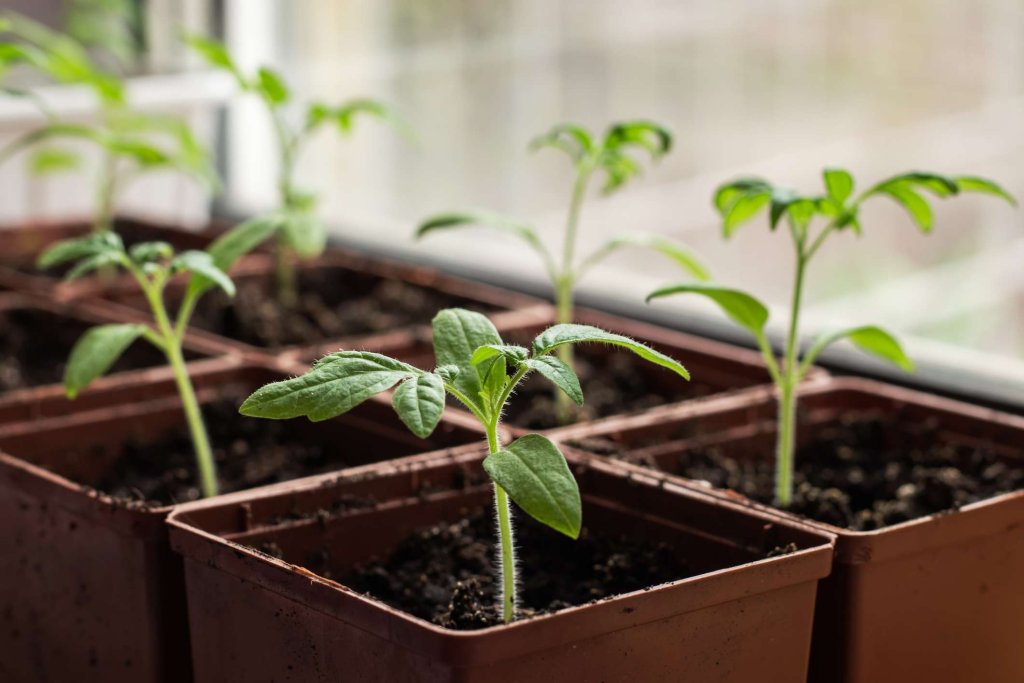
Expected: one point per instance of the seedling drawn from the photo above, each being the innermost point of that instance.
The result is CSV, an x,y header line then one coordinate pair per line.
x,y
474,366
835,211
589,154
300,231
153,264
132,143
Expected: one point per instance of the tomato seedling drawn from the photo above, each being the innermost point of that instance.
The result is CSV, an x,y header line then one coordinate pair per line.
x,y
152,264
590,154
131,143
811,219
300,231
477,368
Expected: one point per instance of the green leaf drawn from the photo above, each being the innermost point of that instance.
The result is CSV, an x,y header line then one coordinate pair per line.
x,y
235,243
513,354
560,374
651,136
744,309
419,402
216,55
560,335
476,217
839,184
51,160
79,248
95,352
458,333
869,338
335,385
571,138
673,250
202,263
743,209
271,86
343,116
536,476
91,263
145,252
984,186
915,205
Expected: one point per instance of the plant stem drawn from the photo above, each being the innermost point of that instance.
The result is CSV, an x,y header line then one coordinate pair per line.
x,y
787,392
284,274
193,415
106,194
287,292
506,543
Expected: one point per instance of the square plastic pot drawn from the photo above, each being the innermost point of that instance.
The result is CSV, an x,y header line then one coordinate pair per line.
x,y
255,617
70,321
504,307
89,589
939,598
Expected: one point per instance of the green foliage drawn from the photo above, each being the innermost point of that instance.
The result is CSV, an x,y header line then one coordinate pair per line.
x,y
835,210
95,353
298,228
480,371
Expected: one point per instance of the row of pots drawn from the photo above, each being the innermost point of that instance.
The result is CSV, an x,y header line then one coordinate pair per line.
x,y
94,587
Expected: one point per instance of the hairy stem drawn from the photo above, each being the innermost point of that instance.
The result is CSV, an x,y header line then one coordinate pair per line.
x,y
787,392
506,545
193,415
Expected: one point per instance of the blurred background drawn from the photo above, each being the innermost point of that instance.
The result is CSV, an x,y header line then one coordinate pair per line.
x,y
778,88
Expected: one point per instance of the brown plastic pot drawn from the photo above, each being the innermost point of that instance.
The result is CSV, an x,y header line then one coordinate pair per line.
x,y
89,590
254,617
939,598
21,244
74,319
718,368
259,270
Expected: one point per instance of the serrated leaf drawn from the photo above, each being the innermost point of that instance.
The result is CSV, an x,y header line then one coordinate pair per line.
x,y
419,402
201,263
741,307
458,333
560,374
335,385
563,334
96,352
838,183
536,476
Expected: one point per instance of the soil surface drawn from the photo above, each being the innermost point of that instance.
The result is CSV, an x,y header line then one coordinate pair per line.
x,y
333,302
446,573
34,347
614,383
866,472
249,452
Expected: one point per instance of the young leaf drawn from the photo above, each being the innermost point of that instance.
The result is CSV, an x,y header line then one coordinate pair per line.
x,y
678,253
271,86
457,335
50,160
536,476
651,136
202,263
560,335
91,263
79,248
743,209
839,184
915,205
869,338
513,354
744,309
304,233
560,374
419,402
570,138
476,217
234,244
984,186
216,55
95,352
145,252
335,385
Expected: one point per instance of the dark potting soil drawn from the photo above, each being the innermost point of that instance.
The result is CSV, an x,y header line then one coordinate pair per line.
x,y
614,382
447,573
34,348
333,302
867,472
248,453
